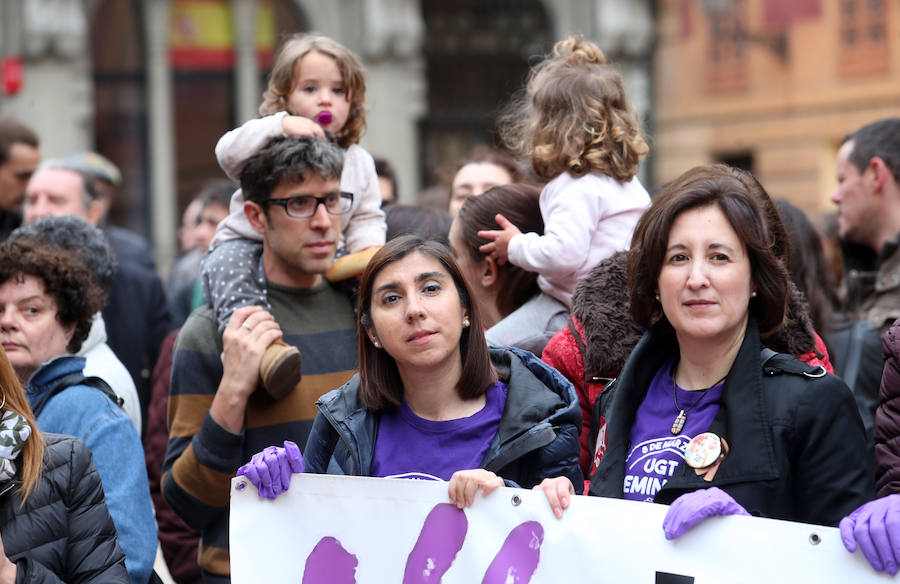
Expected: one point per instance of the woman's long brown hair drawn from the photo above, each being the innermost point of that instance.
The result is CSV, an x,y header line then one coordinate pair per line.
x,y
31,458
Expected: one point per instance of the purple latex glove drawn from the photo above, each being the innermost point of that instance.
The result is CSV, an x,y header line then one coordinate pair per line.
x,y
270,470
691,508
875,527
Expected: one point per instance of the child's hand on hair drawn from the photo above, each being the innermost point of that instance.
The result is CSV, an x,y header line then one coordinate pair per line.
x,y
498,248
300,126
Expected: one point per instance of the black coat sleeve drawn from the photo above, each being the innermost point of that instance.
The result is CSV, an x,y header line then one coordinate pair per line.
x,y
833,473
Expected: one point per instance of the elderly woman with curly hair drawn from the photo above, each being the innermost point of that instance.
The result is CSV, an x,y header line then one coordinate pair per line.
x,y
90,245
47,301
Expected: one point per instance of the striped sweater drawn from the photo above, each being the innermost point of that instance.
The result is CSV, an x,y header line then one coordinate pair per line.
x,y
202,456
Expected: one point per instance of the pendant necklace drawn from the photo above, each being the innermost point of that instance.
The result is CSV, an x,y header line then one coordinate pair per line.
x,y
681,418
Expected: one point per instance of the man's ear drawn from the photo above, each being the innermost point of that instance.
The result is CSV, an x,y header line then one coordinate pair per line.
x,y
256,215
880,173
95,213
490,272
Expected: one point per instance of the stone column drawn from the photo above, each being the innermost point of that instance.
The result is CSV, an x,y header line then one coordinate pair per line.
x,y
246,68
395,85
162,147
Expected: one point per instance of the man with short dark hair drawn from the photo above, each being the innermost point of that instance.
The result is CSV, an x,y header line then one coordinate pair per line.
x,y
868,199
19,157
218,415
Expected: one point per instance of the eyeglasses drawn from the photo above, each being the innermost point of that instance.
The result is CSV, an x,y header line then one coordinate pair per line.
x,y
303,206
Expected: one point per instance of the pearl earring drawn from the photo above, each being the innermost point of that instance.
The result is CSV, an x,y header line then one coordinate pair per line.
x,y
376,343
466,322
753,294
657,297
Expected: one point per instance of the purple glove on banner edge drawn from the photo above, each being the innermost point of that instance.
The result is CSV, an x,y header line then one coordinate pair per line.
x,y
875,528
270,470
691,508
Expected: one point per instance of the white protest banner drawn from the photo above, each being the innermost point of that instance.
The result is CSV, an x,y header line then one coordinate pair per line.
x,y
345,530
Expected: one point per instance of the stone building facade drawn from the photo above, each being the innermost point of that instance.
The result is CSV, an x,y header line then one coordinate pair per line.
x,y
772,86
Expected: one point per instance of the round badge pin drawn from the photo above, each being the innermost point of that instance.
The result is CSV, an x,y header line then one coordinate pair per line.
x,y
703,450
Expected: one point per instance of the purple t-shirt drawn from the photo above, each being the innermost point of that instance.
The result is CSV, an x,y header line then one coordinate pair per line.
x,y
655,451
410,445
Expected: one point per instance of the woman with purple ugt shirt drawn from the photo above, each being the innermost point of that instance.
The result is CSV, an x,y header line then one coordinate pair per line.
x,y
702,416
430,399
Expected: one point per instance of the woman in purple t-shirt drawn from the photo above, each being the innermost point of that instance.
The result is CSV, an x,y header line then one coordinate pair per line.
x,y
430,399
704,417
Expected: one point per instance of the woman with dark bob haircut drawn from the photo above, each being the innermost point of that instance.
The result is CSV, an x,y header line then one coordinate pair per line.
x,y
746,219
703,416
430,398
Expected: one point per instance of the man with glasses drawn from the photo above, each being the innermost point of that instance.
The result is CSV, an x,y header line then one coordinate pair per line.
x,y
219,416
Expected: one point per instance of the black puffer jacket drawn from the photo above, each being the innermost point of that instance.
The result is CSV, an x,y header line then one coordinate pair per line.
x,y
64,532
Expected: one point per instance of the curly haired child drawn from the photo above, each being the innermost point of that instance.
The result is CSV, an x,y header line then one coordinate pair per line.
x,y
316,88
577,127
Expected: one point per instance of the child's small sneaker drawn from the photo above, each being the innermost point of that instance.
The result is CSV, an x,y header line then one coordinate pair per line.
x,y
279,370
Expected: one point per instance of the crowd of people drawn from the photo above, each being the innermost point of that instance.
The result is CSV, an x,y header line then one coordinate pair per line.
x,y
544,323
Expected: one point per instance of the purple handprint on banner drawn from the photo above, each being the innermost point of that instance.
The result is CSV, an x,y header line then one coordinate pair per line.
x,y
330,563
518,558
439,541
